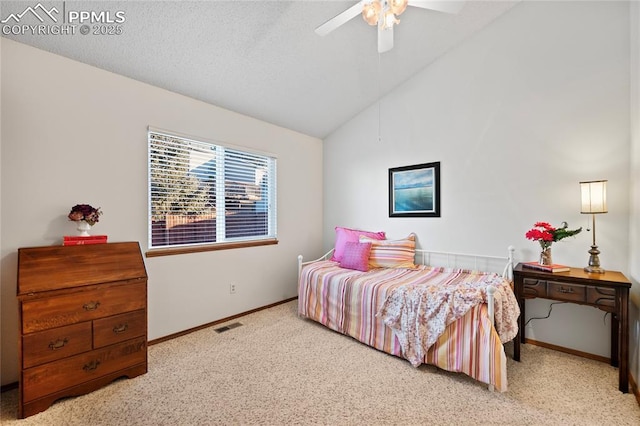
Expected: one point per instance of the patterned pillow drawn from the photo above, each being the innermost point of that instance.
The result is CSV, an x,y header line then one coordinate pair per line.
x,y
344,235
392,253
356,256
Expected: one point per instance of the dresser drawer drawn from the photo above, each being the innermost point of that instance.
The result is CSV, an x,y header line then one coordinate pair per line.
x,y
57,343
566,291
48,378
118,328
534,288
102,301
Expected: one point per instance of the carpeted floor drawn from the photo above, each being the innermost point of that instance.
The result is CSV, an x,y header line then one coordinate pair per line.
x,y
279,369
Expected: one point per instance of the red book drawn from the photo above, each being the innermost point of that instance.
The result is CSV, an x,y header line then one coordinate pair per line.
x,y
73,240
83,238
82,242
547,268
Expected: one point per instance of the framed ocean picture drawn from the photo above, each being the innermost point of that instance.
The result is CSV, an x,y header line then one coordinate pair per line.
x,y
415,190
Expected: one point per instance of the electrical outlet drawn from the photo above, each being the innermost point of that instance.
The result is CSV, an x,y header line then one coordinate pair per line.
x,y
232,288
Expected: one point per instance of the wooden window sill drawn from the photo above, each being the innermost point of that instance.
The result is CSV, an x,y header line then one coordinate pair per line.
x,y
209,247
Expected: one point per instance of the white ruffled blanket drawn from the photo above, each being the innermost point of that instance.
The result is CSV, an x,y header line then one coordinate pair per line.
x,y
419,313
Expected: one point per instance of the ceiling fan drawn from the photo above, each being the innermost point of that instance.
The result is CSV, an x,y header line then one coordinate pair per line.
x,y
384,14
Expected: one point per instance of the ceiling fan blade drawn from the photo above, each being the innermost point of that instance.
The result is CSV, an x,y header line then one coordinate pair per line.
x,y
385,38
340,19
447,6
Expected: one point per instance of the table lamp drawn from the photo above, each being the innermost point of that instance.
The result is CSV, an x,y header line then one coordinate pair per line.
x,y
594,201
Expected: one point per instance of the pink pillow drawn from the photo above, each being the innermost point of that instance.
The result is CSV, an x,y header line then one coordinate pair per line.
x,y
356,256
344,235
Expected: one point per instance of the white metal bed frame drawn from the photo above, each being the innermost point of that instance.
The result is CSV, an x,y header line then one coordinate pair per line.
x,y
424,257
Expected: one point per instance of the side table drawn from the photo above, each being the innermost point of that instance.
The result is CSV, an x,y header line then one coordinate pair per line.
x,y
608,292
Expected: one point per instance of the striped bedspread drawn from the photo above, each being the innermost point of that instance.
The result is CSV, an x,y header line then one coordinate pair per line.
x,y
348,302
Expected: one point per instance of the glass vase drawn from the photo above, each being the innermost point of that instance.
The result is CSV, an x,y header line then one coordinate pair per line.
x,y
545,256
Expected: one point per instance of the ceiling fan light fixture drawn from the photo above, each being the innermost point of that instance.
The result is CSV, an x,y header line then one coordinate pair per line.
x,y
389,19
371,11
397,6
384,14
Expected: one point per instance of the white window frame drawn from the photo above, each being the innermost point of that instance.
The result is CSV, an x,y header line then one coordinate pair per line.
x,y
268,192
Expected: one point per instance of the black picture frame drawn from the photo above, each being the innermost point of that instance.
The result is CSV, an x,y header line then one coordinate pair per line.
x,y
414,191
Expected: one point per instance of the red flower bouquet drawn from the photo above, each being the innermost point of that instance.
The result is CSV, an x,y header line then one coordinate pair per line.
x,y
546,234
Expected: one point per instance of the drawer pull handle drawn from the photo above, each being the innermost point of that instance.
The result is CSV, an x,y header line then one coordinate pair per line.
x,y
564,290
91,366
120,328
91,306
58,344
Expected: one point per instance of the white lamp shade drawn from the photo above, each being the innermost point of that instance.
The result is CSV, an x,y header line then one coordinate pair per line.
x,y
594,196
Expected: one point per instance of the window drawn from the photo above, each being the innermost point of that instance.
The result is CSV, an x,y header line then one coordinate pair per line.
x,y
206,194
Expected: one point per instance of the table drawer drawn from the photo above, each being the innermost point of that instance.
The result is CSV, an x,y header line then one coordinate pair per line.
x,y
603,297
57,343
534,288
118,328
567,291
57,311
51,377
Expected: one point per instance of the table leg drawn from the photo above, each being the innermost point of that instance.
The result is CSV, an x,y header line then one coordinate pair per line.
x,y
520,336
624,340
615,333
522,317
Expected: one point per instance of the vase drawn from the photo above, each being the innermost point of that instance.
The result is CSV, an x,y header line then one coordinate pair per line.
x,y
83,228
545,257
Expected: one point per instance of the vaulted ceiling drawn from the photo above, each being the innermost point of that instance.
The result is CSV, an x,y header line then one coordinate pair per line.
x,y
261,58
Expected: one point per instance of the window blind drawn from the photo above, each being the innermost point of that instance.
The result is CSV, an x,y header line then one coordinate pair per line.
x,y
204,193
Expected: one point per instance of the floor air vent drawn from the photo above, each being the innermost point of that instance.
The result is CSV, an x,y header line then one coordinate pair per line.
x,y
227,327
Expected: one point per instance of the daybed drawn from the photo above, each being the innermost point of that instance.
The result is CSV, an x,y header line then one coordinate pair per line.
x,y
426,314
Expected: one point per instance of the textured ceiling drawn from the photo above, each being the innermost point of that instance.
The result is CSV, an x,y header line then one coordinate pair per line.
x,y
263,58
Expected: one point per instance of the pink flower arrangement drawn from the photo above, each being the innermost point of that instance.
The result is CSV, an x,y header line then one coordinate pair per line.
x,y
85,212
546,234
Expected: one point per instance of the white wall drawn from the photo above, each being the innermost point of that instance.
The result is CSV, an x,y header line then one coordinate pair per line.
x,y
634,194
76,134
517,116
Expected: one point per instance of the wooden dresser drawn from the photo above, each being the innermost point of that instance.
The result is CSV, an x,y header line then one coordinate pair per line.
x,y
83,320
